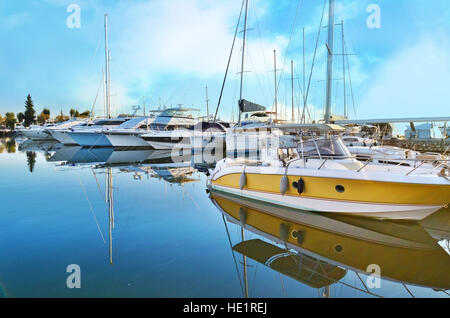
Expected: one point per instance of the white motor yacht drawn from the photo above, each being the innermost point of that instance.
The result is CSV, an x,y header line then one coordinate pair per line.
x,y
88,134
171,129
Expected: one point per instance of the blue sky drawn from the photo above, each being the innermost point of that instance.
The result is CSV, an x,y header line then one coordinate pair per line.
x,y
168,51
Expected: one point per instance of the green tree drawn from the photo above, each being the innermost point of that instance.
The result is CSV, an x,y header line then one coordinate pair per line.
x,y
61,118
74,113
2,120
20,117
85,114
29,111
44,116
10,120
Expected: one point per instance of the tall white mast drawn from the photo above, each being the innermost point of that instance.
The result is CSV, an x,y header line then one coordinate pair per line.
x,y
292,90
344,71
276,88
330,46
243,59
207,104
107,81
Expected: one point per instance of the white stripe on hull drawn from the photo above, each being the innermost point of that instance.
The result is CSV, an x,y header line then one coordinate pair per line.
x,y
168,145
125,140
62,137
385,211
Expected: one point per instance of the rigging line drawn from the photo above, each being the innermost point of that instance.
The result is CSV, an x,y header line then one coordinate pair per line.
x,y
92,210
96,50
258,28
282,285
234,256
254,277
193,201
250,61
96,96
299,84
409,292
362,281
340,282
313,61
299,4
350,78
229,60
303,95
98,184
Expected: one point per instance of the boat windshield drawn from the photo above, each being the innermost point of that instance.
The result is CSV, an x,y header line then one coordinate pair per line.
x,y
325,147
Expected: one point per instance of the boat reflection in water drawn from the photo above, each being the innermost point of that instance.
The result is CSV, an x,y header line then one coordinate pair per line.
x,y
110,162
318,249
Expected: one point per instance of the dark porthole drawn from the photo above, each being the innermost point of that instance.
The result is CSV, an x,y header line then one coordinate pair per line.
x,y
340,189
338,248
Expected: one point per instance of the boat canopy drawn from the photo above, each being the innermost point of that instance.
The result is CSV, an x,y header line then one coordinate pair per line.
x,y
208,126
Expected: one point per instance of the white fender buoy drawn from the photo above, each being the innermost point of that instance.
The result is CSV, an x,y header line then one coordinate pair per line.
x,y
284,184
242,181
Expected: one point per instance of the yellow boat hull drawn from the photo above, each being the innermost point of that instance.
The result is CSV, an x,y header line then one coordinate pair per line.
x,y
390,200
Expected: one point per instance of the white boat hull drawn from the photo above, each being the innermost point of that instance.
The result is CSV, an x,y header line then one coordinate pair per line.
x,y
63,137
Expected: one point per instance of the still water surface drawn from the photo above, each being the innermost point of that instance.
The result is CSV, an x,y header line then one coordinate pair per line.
x,y
167,237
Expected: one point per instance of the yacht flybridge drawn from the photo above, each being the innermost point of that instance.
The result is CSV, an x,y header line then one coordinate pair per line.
x,y
319,174
171,128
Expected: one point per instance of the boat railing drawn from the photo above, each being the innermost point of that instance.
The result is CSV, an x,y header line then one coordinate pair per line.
x,y
443,163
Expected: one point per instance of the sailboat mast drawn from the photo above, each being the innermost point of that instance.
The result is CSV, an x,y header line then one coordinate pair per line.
x,y
107,84
304,75
330,46
245,265
110,210
292,89
207,104
344,70
243,59
276,89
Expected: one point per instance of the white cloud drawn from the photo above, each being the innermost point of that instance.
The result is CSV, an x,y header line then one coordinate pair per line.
x,y
192,38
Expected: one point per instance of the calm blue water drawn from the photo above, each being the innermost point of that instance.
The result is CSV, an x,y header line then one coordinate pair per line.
x,y
168,240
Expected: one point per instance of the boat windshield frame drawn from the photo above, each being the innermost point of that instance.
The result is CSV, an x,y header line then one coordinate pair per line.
x,y
330,147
